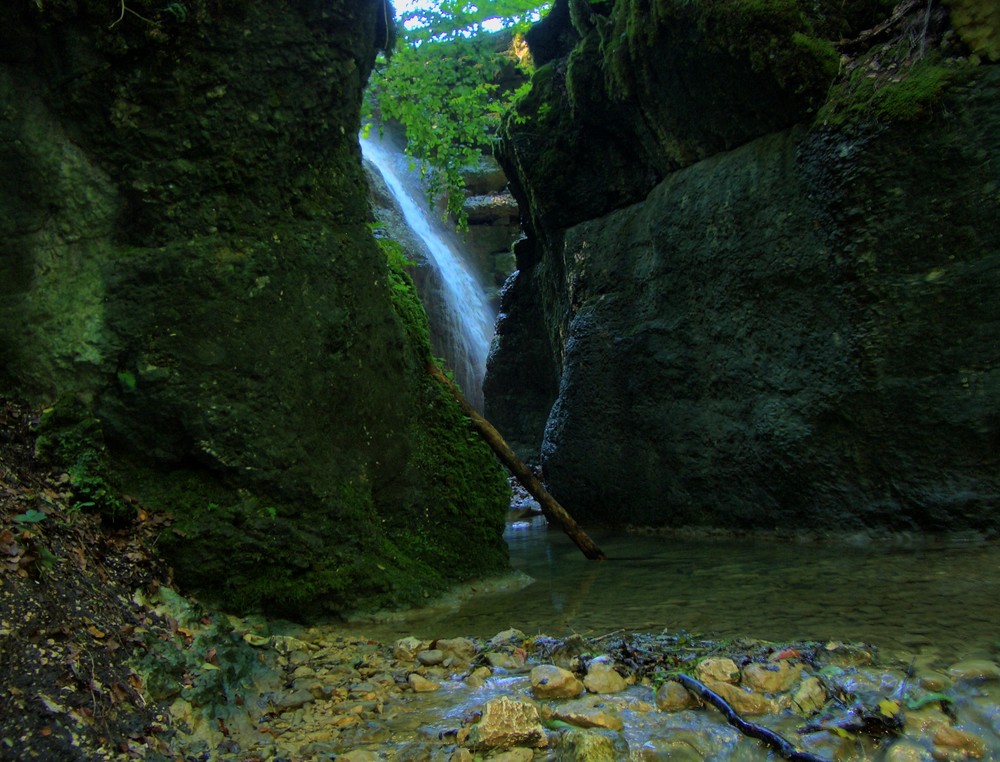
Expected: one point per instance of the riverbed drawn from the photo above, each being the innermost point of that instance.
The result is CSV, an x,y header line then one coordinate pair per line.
x,y
859,649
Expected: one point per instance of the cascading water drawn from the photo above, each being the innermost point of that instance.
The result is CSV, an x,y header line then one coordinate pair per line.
x,y
461,332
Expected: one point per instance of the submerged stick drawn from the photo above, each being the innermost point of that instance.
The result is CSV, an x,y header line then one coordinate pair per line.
x,y
550,507
784,747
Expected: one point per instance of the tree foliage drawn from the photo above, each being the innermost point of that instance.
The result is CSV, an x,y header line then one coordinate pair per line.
x,y
448,83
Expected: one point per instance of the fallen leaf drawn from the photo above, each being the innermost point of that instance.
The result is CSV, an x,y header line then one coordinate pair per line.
x,y
888,707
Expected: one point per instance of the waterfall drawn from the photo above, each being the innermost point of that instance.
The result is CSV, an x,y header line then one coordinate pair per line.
x,y
461,329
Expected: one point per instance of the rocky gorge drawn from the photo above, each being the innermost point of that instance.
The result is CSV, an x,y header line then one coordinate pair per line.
x,y
755,293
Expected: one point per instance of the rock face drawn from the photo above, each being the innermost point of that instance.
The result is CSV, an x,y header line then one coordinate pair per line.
x,y
187,253
763,320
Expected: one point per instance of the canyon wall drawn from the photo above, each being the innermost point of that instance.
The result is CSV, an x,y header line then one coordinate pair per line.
x,y
756,289
189,281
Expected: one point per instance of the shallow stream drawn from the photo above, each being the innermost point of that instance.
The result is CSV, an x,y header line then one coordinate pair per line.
x,y
922,596
396,688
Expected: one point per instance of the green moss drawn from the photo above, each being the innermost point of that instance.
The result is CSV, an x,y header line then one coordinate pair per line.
x,y
819,55
340,561
788,41
458,494
869,96
978,24
405,302
775,36
463,506
382,538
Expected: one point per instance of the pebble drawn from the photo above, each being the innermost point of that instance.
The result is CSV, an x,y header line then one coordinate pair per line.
x,y
587,713
953,744
809,697
359,755
350,698
673,697
431,658
519,754
507,722
461,650
718,670
743,701
292,700
673,750
603,678
591,746
501,660
771,678
975,671
907,751
406,649
421,684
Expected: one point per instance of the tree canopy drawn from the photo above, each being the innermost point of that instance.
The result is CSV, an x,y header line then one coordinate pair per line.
x,y
450,79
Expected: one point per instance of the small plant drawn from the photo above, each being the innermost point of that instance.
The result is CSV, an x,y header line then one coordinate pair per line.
x,y
70,438
178,10
30,516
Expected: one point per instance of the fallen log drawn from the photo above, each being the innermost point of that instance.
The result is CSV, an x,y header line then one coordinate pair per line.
x,y
781,745
553,511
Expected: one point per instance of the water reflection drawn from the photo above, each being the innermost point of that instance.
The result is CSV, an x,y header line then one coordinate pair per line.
x,y
939,597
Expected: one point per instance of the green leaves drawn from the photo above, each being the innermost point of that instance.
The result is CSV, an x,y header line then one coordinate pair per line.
x,y
30,516
442,85
449,19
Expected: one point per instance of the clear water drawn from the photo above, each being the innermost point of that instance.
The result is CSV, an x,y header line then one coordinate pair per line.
x,y
934,598
469,314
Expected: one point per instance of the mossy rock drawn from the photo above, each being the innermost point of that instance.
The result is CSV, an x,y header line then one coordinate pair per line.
x,y
905,92
202,277
978,24
344,480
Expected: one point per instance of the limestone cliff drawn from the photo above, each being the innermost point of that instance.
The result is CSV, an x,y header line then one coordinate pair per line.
x,y
757,286
188,268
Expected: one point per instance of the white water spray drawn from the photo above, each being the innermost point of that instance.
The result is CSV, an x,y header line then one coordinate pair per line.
x,y
465,339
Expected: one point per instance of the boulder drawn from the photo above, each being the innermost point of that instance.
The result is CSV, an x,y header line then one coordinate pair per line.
x,y
506,722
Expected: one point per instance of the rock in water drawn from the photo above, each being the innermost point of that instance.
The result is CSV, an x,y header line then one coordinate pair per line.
x,y
507,722
549,681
